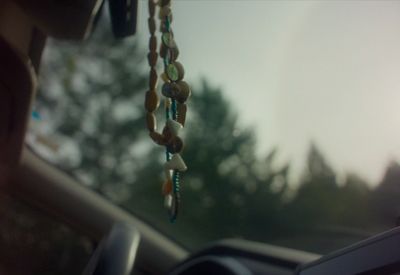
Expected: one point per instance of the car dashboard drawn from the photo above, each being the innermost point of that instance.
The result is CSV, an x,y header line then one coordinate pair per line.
x,y
378,255
240,257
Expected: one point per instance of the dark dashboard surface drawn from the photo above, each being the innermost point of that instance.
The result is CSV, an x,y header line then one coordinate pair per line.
x,y
378,255
239,257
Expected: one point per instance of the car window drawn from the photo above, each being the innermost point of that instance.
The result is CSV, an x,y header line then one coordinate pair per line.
x,y
292,133
32,242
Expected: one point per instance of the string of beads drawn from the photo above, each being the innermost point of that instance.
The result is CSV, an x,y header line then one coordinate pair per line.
x,y
176,92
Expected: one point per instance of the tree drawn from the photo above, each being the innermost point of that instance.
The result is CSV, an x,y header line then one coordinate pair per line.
x,y
385,198
92,93
315,198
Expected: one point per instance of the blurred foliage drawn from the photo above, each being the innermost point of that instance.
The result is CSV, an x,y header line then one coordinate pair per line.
x,y
93,94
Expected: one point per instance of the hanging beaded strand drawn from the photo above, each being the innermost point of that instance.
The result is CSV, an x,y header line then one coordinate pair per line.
x,y
151,100
176,92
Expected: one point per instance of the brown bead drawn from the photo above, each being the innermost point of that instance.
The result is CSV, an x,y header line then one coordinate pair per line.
x,y
151,102
184,92
181,108
152,25
152,58
175,89
175,145
163,50
167,187
152,8
173,54
167,135
157,138
153,79
164,2
151,122
153,43
164,12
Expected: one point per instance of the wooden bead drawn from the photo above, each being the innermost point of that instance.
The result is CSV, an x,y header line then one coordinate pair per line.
x,y
168,39
153,79
181,108
153,43
167,135
152,25
157,138
175,145
165,3
167,187
175,71
164,12
151,102
152,58
163,50
152,8
151,121
184,92
173,54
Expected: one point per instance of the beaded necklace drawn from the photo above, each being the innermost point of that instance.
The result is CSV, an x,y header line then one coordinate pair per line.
x,y
176,92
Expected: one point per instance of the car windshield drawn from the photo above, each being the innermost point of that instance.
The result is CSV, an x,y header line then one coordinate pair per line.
x,y
293,127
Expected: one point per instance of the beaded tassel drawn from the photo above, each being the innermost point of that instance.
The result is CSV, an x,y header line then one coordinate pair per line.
x,y
176,92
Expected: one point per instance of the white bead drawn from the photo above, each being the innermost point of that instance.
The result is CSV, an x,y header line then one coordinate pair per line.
x,y
168,201
174,126
176,163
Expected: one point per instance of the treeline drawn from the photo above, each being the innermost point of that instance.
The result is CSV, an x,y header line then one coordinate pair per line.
x,y
228,192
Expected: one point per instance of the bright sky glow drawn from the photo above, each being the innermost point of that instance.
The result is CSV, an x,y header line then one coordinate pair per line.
x,y
327,71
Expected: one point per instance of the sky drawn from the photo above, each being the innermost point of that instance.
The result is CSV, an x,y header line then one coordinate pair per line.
x,y
301,71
